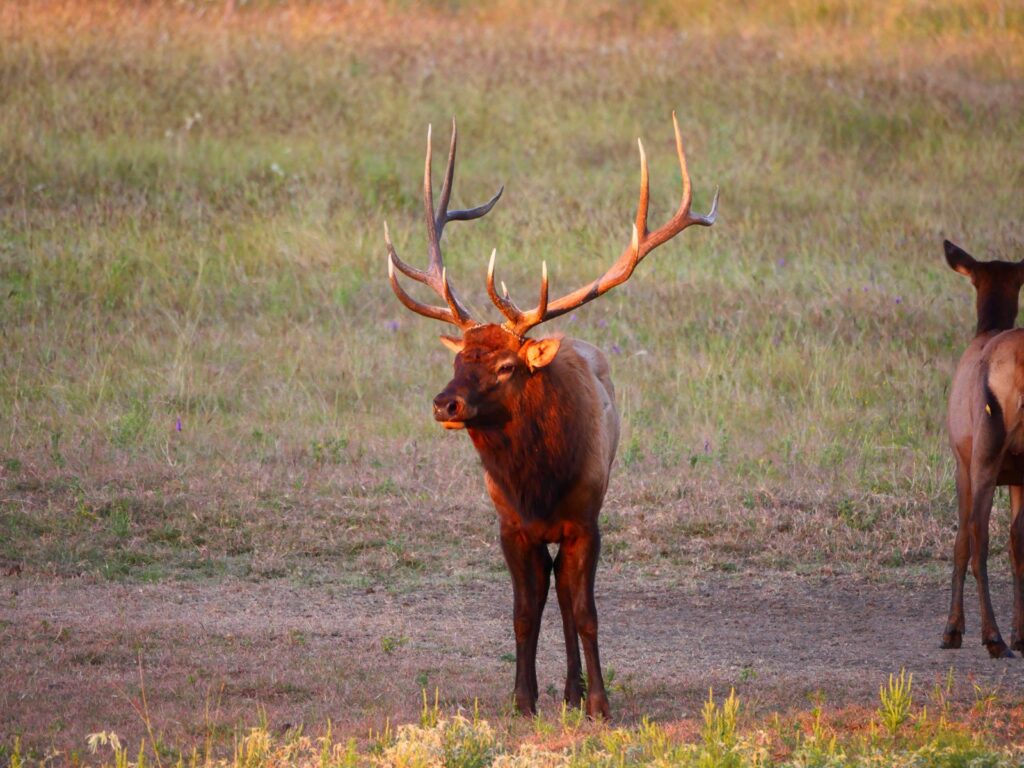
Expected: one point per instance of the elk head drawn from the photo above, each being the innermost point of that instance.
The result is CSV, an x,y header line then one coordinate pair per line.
x,y
493,362
491,367
996,283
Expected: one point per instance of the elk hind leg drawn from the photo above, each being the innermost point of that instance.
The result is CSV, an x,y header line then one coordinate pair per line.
x,y
953,635
1017,564
580,570
574,667
985,463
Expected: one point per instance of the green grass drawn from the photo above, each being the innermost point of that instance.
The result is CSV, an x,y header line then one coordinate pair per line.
x,y
191,213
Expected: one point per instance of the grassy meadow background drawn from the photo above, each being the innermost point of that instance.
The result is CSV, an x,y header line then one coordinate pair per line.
x,y
191,233
192,223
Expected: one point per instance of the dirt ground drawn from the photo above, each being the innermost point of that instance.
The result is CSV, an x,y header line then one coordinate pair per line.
x,y
215,655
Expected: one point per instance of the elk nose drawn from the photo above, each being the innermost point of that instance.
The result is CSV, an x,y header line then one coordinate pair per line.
x,y
448,407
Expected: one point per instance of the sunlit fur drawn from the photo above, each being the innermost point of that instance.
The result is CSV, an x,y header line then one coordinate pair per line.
x,y
546,438
986,432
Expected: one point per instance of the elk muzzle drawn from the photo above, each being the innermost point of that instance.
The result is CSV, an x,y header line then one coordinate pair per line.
x,y
452,410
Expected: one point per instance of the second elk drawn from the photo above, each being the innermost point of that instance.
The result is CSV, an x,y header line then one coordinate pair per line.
x,y
986,432
541,414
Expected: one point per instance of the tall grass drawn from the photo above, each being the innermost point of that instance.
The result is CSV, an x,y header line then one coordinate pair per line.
x,y
458,740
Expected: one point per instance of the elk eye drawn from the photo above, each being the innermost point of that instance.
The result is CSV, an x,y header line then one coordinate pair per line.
x,y
506,368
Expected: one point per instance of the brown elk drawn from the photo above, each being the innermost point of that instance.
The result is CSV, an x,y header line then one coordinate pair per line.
x,y
986,432
541,414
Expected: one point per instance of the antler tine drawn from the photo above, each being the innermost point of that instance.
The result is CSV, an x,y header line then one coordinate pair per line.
x,y
645,190
437,313
687,199
443,215
504,304
449,177
641,243
433,240
446,292
407,269
542,305
474,213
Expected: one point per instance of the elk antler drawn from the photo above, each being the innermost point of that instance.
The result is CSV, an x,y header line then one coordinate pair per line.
x,y
519,322
435,276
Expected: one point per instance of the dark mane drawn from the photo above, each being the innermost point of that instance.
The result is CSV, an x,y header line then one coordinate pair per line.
x,y
536,456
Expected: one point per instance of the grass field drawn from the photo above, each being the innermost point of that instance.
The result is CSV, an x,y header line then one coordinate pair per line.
x,y
204,375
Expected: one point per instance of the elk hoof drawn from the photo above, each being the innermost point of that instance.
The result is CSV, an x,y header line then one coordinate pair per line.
x,y
952,638
526,706
573,691
997,650
597,707
1017,644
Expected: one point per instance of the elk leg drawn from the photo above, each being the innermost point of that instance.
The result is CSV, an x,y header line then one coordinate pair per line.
x,y
529,565
574,669
580,570
1017,564
542,566
983,486
953,635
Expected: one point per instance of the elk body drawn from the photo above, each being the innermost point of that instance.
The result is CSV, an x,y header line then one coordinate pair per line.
x,y
541,414
986,432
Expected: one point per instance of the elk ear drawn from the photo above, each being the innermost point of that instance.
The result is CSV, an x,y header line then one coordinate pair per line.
x,y
540,353
453,343
959,259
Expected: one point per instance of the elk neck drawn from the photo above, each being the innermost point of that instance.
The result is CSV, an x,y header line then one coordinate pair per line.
x,y
996,312
535,456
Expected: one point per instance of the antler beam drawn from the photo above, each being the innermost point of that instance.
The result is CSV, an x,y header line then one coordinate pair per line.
x,y
643,242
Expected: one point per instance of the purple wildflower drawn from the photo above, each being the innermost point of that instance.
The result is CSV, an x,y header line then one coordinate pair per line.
x,y
780,263
572,318
392,325
616,349
899,299
177,424
602,323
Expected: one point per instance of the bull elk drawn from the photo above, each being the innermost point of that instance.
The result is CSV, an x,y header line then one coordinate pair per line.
x,y
986,431
541,414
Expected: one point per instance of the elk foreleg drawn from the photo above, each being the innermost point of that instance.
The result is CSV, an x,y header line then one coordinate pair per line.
x,y
953,635
985,461
530,567
574,668
580,569
1017,564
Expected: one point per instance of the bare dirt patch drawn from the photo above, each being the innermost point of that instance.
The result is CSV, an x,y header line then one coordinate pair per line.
x,y
216,653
